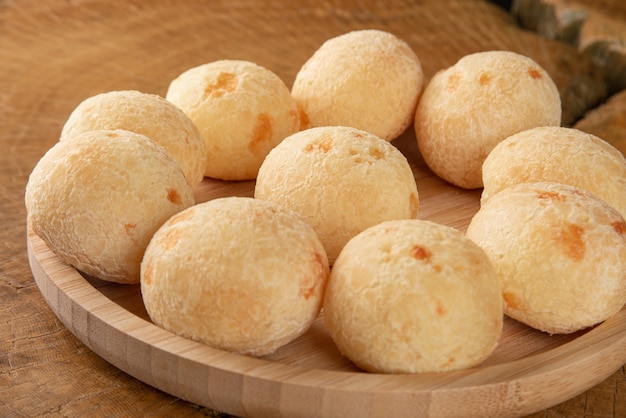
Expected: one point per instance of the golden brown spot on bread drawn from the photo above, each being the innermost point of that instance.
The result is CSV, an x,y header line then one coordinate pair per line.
x,y
357,135
511,300
552,196
424,254
441,310
484,79
376,153
355,154
534,73
173,196
225,83
619,227
420,253
261,133
319,259
129,228
323,144
570,239
307,290
454,80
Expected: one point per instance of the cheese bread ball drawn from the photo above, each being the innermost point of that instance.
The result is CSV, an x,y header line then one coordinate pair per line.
x,y
468,108
412,296
367,79
558,154
242,109
559,253
97,198
342,180
146,114
235,273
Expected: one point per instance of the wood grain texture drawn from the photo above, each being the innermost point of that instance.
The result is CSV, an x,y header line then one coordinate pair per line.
x,y
53,54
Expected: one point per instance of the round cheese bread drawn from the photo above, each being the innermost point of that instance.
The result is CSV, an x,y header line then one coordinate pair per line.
x,y
468,108
235,273
146,114
367,79
411,296
242,109
559,253
97,198
558,154
341,180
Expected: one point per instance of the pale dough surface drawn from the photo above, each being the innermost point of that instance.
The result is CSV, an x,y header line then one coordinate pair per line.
x,y
242,109
239,274
468,108
341,180
367,79
147,114
98,197
558,154
411,296
559,253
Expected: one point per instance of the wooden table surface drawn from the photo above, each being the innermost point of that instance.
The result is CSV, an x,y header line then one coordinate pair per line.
x,y
56,53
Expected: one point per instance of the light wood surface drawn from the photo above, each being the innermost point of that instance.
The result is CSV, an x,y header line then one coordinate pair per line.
x,y
54,54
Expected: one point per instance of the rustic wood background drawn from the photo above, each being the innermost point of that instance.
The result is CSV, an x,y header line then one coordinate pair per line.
x,y
53,54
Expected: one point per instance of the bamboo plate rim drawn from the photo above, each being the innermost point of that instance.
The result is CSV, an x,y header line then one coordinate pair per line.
x,y
206,376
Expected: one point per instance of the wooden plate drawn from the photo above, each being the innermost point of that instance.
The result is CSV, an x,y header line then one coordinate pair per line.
x,y
528,372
